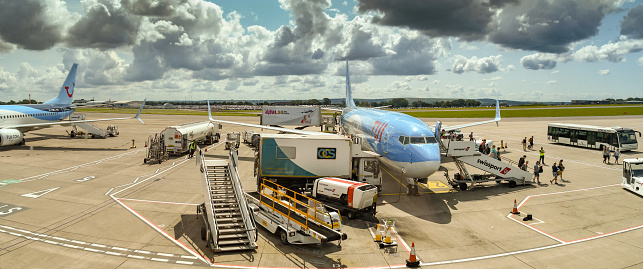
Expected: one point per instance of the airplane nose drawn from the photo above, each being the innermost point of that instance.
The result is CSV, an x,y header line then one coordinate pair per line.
x,y
425,160
421,169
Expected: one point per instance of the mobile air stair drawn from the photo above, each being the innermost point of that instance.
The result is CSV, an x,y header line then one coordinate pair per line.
x,y
465,152
229,223
92,130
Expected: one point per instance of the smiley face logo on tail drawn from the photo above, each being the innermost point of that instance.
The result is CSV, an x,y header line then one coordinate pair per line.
x,y
72,91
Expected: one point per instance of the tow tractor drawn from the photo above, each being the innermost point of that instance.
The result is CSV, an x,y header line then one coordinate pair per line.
x,y
633,175
233,140
296,218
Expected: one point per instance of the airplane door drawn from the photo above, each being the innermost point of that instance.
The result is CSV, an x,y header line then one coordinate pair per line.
x,y
387,137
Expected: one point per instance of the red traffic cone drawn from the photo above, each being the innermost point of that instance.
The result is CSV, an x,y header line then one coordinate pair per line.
x,y
515,210
413,260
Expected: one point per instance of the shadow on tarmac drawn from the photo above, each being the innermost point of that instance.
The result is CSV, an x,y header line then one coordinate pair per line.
x,y
189,228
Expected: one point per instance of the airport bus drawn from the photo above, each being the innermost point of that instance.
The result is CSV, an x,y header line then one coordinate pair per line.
x,y
593,136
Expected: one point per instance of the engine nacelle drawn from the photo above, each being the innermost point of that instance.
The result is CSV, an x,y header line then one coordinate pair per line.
x,y
10,137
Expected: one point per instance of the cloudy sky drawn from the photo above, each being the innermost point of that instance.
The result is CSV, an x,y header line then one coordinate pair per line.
x,y
529,50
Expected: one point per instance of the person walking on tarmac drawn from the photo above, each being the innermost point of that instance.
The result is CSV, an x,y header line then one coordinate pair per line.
x,y
524,144
542,155
531,143
554,170
192,149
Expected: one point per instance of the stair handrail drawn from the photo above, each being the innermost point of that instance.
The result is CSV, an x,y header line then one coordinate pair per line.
x,y
208,202
248,217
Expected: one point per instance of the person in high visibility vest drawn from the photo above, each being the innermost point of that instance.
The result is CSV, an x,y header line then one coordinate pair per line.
x,y
192,149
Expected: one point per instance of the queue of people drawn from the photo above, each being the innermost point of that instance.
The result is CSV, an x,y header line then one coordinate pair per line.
x,y
609,153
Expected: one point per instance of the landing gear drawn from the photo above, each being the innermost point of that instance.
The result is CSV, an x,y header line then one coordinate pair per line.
x,y
463,186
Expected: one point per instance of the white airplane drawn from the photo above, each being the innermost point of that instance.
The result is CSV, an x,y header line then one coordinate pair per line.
x,y
404,143
15,120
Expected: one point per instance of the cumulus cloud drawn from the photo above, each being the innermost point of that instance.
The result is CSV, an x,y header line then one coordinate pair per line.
x,y
552,82
612,51
483,65
467,19
410,56
549,26
604,72
105,25
33,24
641,61
538,61
631,24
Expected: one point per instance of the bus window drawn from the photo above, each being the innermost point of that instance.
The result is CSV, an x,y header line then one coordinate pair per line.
x,y
599,137
582,135
613,140
563,132
627,138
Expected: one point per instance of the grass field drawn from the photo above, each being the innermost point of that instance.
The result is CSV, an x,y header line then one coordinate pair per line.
x,y
513,112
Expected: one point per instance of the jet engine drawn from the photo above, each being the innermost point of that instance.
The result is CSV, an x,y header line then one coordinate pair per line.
x,y
10,137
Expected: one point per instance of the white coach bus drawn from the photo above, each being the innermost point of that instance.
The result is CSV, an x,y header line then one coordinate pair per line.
x,y
593,136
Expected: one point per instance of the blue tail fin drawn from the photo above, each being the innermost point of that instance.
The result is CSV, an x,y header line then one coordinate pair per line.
x,y
349,99
65,96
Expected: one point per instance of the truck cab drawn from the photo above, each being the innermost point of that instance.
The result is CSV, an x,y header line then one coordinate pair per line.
x,y
233,140
633,175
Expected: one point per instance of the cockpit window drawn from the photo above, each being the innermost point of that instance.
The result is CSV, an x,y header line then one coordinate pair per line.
x,y
417,140
405,140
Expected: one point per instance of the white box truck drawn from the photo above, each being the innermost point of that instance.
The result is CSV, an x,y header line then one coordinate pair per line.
x,y
296,161
178,138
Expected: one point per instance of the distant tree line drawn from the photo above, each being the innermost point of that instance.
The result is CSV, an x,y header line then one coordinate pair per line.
x,y
613,101
24,101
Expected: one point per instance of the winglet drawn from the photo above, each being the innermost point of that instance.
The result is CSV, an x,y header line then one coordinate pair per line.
x,y
497,119
349,99
139,112
209,113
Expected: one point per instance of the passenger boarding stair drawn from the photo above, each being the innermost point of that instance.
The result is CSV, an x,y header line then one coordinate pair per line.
x,y
229,221
92,129
464,152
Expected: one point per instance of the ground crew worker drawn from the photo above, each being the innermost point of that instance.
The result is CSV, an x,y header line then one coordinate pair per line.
x,y
192,149
542,155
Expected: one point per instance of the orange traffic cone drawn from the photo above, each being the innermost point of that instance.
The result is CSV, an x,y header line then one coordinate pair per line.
x,y
413,260
388,240
515,210
378,234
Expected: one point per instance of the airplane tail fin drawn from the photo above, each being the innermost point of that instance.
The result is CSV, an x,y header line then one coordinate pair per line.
x,y
349,99
209,112
65,96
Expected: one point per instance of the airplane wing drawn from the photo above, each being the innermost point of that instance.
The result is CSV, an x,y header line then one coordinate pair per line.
x,y
332,109
496,120
378,107
265,127
75,121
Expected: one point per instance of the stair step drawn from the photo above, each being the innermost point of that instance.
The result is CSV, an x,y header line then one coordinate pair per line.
x,y
231,230
233,236
234,248
230,224
224,200
232,241
220,210
228,219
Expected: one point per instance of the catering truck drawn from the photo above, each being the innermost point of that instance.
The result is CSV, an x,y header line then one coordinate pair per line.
x,y
352,198
178,138
296,161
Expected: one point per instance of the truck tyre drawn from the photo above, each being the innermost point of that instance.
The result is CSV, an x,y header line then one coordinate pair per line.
x,y
463,186
283,237
512,184
204,233
350,214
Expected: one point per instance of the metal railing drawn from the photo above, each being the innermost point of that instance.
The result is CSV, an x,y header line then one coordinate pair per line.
x,y
214,229
293,204
248,217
